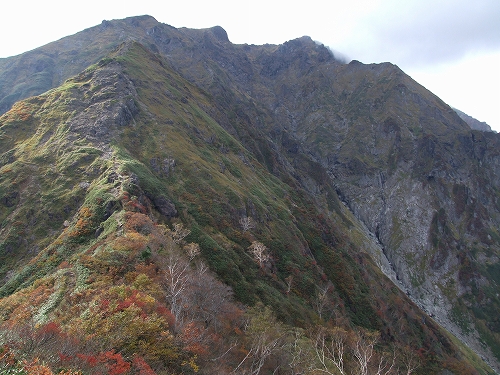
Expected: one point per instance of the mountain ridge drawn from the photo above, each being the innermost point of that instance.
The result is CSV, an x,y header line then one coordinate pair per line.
x,y
307,113
472,122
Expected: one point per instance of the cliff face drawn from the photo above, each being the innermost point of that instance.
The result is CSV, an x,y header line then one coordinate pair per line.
x,y
381,165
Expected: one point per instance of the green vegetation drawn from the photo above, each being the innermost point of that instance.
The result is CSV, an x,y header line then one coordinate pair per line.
x,y
128,178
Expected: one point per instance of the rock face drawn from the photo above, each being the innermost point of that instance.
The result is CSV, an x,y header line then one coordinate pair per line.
x,y
472,122
422,184
104,106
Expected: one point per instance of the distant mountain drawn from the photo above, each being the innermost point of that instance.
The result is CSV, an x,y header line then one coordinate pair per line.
x,y
472,122
174,203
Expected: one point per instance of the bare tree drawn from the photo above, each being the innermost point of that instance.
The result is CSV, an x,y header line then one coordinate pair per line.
x,y
342,352
259,252
176,278
289,281
179,233
331,348
386,364
409,360
363,351
247,223
321,300
207,299
301,354
367,360
266,336
192,250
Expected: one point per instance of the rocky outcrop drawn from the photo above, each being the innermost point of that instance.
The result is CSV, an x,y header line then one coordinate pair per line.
x,y
104,105
472,122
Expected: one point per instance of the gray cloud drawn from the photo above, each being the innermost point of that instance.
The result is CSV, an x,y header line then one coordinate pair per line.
x,y
416,33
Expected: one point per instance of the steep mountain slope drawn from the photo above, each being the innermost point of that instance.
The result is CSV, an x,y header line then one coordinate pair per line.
x,y
187,127
398,156
126,142
406,165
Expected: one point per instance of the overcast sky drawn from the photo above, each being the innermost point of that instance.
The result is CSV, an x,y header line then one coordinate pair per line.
x,y
452,47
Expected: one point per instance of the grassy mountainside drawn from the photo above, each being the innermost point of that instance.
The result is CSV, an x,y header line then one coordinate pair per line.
x,y
423,183
249,148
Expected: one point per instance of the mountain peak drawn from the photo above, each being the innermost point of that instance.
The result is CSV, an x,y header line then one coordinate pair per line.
x,y
219,33
144,21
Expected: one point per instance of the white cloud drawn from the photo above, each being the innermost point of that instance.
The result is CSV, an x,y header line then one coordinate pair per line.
x,y
422,32
451,47
472,85
430,39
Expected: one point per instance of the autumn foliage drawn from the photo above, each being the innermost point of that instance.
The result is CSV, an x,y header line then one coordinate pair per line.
x,y
83,224
144,302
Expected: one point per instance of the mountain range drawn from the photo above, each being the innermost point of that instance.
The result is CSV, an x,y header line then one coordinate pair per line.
x,y
172,202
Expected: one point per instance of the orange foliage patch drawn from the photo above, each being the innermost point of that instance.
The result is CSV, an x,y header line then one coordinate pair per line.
x,y
7,358
132,242
114,363
20,112
142,367
83,224
138,222
35,368
132,204
167,314
151,270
